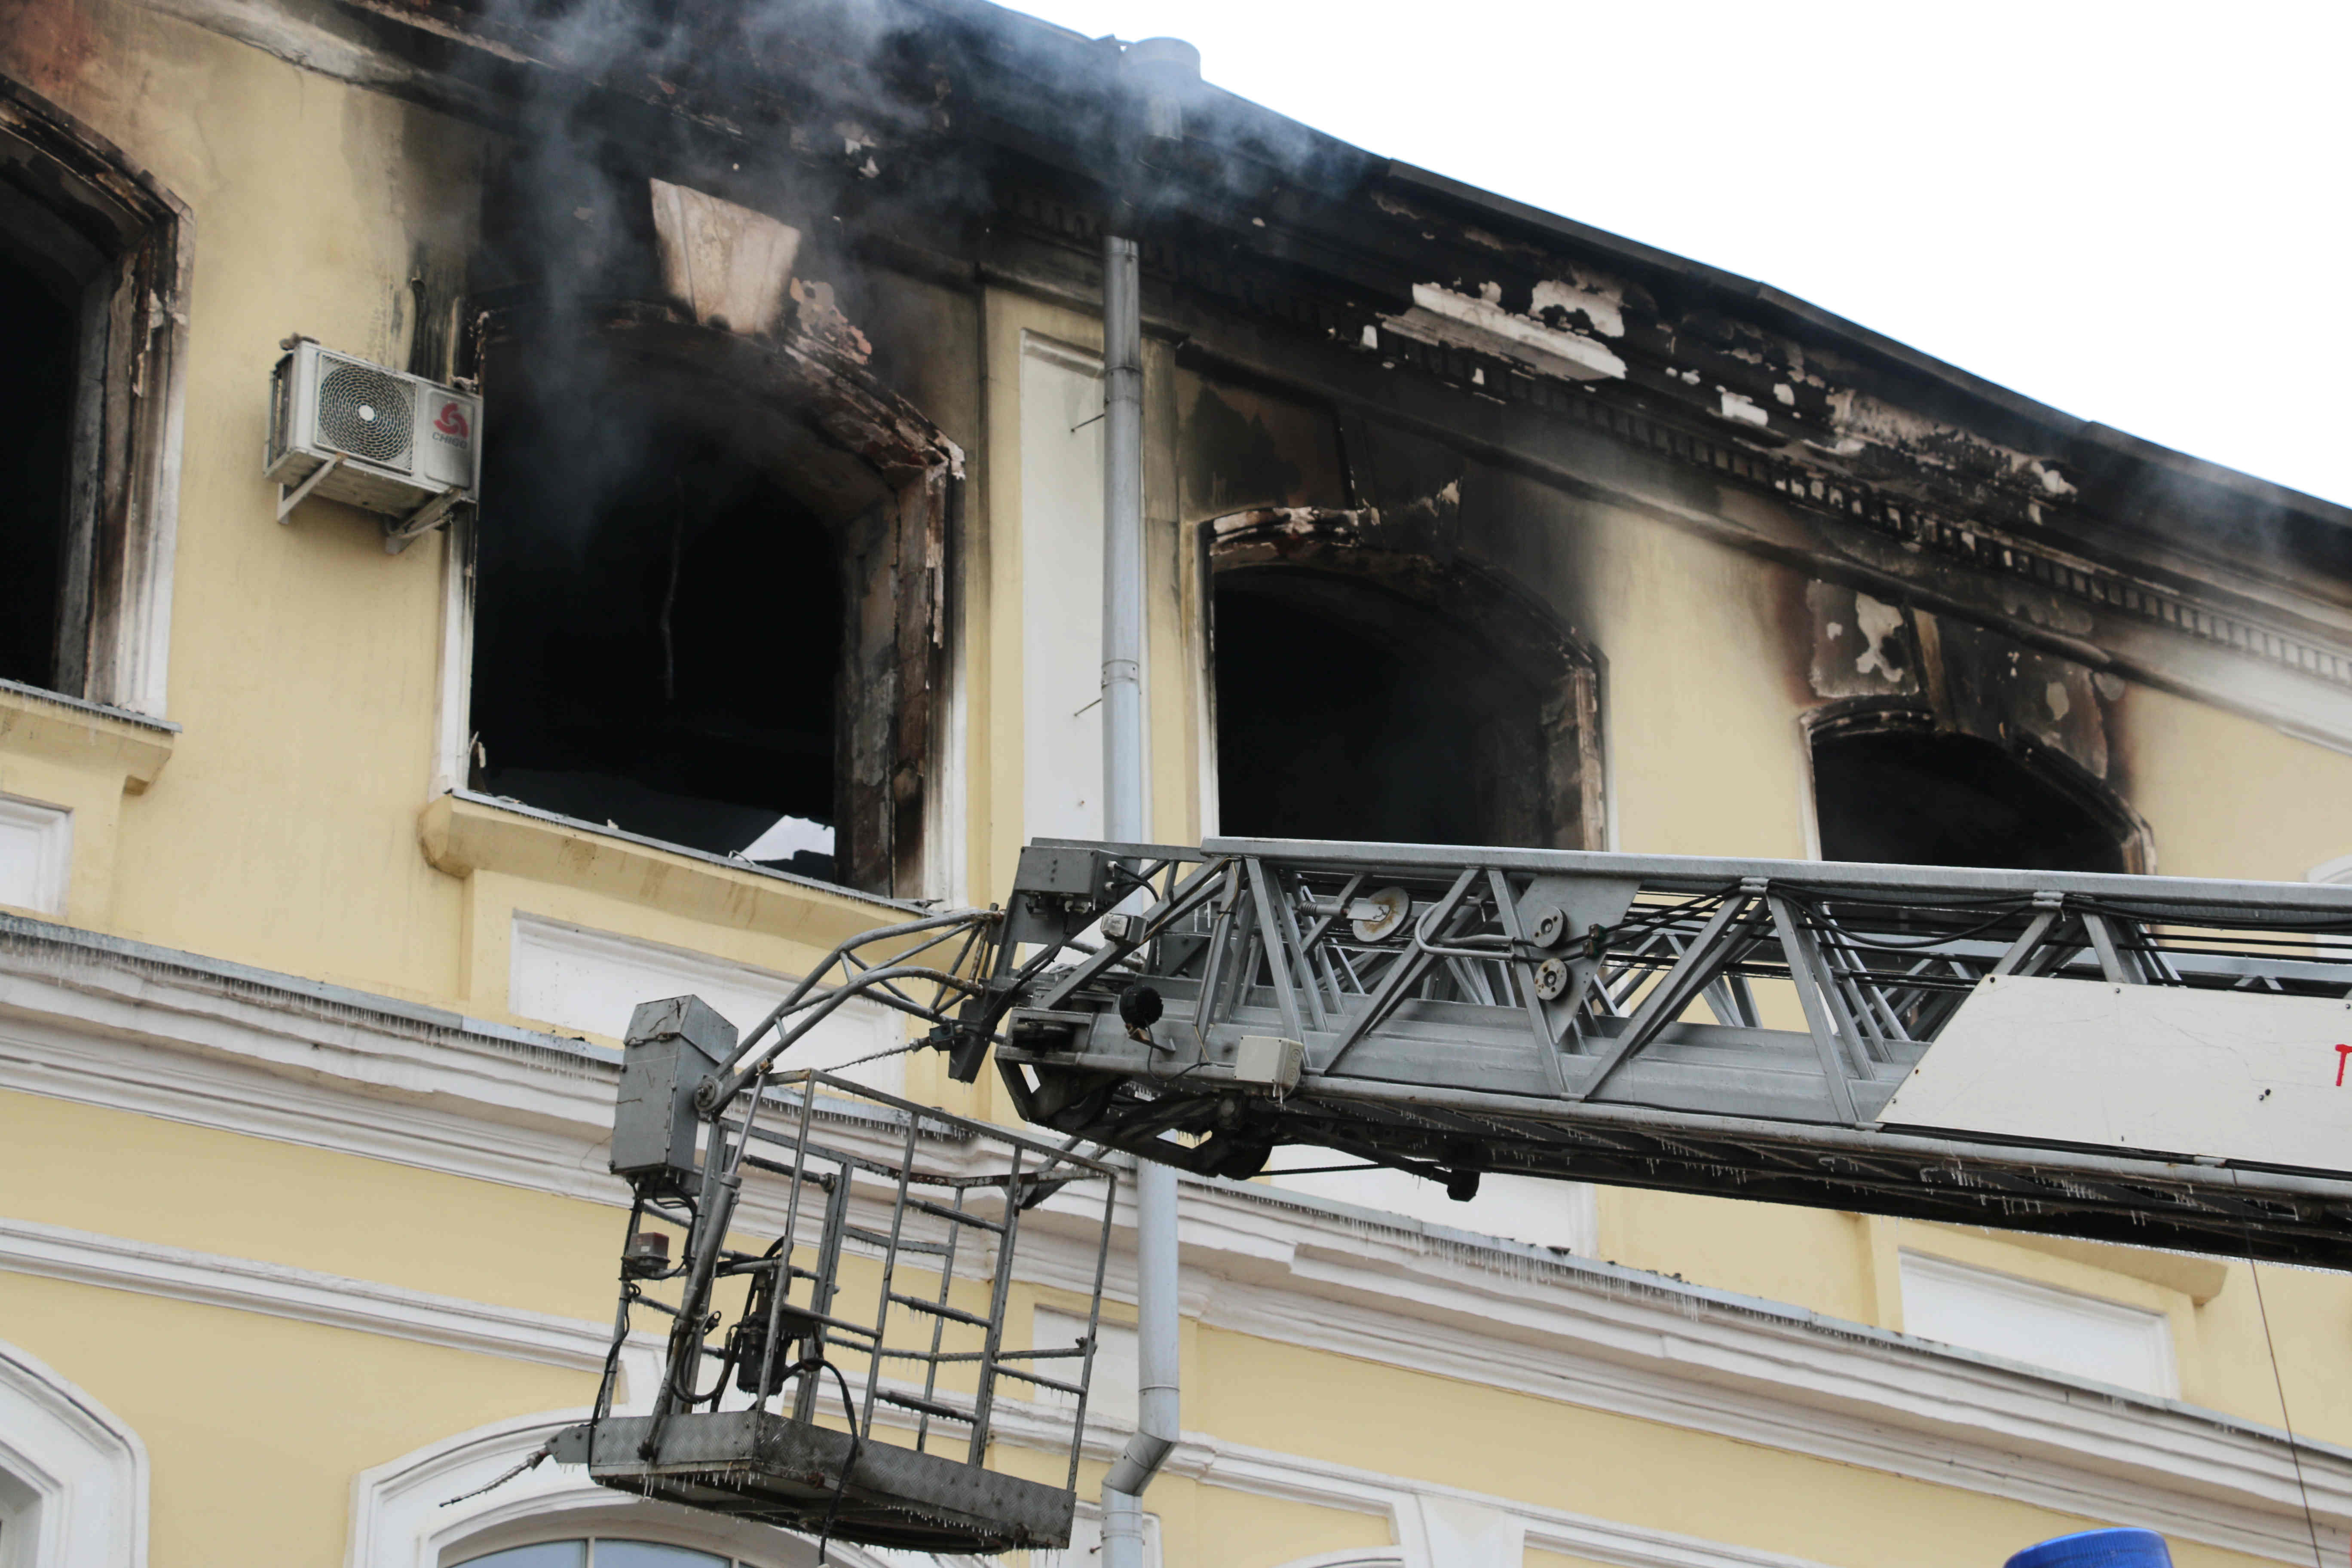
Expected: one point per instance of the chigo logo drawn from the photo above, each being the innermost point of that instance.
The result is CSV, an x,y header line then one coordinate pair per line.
x,y
452,422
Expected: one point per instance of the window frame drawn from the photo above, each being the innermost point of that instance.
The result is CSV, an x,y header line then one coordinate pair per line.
x,y
1525,632
909,839
114,632
73,1477
594,1540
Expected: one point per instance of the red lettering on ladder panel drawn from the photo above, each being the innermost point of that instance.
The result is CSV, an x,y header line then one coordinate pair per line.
x,y
2342,1052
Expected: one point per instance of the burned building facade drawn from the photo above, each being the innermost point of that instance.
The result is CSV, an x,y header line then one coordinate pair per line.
x,y
334,858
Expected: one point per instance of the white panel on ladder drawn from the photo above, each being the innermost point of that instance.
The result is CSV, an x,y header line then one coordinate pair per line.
x,y
2233,1075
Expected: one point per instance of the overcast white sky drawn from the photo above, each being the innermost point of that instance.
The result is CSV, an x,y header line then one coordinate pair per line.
x,y
2136,213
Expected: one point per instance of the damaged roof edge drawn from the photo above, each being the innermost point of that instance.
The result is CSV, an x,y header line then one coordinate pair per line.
x,y
1341,163
1804,317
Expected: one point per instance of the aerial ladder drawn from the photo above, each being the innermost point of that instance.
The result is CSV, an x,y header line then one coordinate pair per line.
x,y
2159,1061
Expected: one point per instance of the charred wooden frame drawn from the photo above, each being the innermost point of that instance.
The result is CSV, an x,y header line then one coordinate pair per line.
x,y
869,450
111,232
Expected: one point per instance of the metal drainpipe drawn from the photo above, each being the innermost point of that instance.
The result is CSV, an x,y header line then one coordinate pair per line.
x,y
1163,71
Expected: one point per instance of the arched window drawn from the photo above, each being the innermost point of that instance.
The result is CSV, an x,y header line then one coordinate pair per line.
x,y
604,1553
73,1477
1372,694
1901,793
637,1544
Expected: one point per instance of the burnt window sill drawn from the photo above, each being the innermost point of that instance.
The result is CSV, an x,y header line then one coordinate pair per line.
x,y
463,832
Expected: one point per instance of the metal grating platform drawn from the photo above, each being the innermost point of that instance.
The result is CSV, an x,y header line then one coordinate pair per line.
x,y
757,1465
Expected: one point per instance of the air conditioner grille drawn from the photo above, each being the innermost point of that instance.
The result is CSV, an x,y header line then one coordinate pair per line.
x,y
367,413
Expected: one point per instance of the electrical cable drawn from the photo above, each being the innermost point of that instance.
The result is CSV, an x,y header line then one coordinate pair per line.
x,y
856,1448
2293,1448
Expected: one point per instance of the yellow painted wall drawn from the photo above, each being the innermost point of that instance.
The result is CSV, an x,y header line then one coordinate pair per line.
x,y
2229,796
303,656
254,1425
284,832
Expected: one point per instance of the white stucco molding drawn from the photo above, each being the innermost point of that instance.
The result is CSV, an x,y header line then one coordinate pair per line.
x,y
1451,1527
1618,1340
331,1300
73,1477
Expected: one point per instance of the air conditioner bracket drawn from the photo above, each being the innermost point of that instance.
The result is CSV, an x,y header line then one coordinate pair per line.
x,y
399,532
288,500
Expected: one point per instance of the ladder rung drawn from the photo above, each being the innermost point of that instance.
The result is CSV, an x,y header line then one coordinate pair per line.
x,y
960,1216
1072,1389
928,1408
941,1310
906,1243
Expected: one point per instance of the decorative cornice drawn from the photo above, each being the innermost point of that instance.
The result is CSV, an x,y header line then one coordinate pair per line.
x,y
1616,1340
308,1296
1693,444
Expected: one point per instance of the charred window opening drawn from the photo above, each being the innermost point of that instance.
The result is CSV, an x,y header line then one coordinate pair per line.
x,y
1916,797
712,556
91,279
38,320
658,634
707,594
1377,694
1343,713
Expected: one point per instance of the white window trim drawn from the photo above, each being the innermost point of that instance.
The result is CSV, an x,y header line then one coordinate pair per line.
x,y
1084,362
48,829
79,1474
452,741
2153,1329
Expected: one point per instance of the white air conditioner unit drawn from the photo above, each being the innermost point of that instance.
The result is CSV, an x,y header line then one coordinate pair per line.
x,y
370,438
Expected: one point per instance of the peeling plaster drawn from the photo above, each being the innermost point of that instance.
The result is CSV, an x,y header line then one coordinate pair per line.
x,y
2052,482
1876,621
1857,417
1603,306
1862,647
1857,413
1740,407
1443,316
